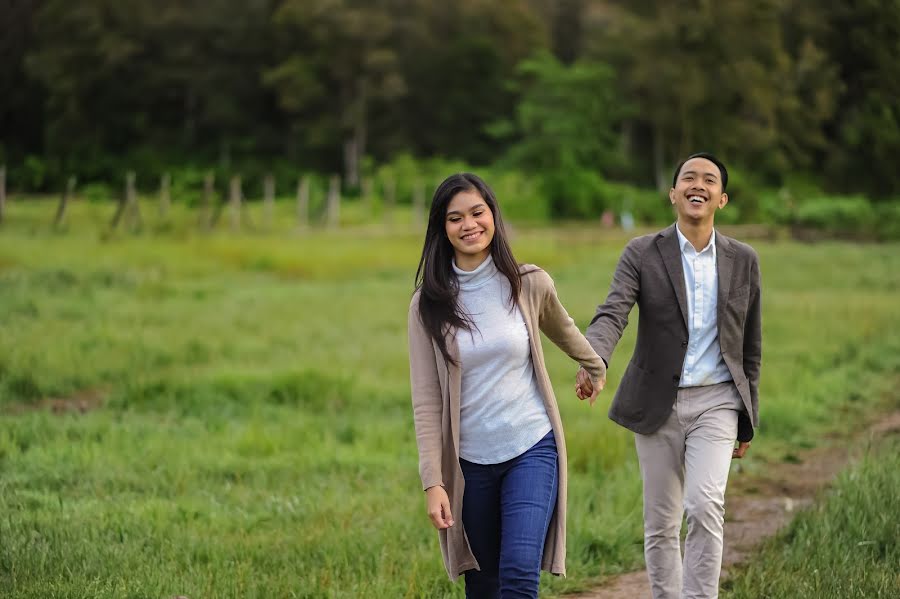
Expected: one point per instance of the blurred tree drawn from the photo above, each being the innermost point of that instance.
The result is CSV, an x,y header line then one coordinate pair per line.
x,y
863,39
779,86
565,126
164,78
341,61
82,59
457,58
21,101
716,76
566,117
564,20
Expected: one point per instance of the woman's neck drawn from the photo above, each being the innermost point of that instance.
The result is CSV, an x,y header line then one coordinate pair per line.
x,y
470,262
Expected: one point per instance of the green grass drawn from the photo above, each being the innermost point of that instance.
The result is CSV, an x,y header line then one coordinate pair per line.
x,y
255,437
844,548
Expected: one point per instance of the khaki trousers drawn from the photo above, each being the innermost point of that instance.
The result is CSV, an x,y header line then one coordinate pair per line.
x,y
684,466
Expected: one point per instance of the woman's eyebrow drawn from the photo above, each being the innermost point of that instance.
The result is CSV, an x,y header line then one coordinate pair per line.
x,y
470,209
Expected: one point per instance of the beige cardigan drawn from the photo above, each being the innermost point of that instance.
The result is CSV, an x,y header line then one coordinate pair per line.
x,y
435,399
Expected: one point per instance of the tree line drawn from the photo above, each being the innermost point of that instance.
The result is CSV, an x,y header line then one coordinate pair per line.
x,y
575,89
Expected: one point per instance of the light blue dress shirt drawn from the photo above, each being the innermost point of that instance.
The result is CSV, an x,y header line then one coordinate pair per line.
x,y
703,363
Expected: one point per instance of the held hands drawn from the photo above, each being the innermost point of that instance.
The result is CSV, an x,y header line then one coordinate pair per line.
x,y
585,388
438,507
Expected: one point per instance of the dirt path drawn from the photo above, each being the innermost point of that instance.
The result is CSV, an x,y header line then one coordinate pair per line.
x,y
758,506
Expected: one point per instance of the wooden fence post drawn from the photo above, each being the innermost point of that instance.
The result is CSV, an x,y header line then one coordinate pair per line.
x,y
334,202
165,199
303,202
366,188
235,203
206,203
390,199
268,201
64,202
120,211
2,193
133,209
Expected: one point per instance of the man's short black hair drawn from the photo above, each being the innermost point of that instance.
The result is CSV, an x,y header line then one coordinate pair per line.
x,y
722,170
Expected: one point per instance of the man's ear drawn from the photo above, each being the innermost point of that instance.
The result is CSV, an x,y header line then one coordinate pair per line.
x,y
723,200
672,196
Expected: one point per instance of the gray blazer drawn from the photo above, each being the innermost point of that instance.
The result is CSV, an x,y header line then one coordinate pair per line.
x,y
650,274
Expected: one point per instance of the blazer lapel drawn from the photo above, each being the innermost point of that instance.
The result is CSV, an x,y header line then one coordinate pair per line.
x,y
724,270
667,243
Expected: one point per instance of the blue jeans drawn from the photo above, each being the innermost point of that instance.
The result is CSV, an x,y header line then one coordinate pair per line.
x,y
506,512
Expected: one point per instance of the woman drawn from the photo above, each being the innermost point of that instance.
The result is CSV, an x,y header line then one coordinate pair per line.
x,y
488,430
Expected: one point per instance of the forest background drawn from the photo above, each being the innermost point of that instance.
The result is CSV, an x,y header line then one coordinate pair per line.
x,y
584,104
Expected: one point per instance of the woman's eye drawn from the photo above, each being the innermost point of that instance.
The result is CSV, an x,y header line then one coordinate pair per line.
x,y
479,213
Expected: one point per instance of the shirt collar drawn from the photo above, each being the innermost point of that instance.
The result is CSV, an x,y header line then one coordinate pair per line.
x,y
686,245
473,279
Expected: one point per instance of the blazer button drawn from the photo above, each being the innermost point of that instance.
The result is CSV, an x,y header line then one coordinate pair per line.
x,y
676,378
684,344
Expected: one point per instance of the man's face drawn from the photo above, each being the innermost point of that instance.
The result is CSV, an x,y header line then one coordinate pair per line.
x,y
698,191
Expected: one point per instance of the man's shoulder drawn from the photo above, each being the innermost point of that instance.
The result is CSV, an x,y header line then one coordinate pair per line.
x,y
642,242
740,248
637,249
645,240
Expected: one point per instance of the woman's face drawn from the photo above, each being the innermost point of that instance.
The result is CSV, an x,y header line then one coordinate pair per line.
x,y
470,228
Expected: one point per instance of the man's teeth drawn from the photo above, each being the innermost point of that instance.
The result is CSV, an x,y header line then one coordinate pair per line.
x,y
696,199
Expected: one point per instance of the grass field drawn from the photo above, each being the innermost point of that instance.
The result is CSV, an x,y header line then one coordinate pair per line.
x,y
844,548
248,430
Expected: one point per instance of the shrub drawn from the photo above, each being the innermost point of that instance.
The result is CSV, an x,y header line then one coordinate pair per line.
x,y
839,214
887,221
96,192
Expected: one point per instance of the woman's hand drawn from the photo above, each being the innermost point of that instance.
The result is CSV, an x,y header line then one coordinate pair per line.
x,y
585,388
438,507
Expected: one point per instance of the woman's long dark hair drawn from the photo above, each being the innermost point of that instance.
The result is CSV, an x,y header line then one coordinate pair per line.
x,y
439,306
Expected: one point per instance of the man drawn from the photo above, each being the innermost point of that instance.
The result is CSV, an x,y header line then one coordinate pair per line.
x,y
691,386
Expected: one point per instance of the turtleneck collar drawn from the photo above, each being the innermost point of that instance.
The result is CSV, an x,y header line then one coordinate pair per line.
x,y
473,279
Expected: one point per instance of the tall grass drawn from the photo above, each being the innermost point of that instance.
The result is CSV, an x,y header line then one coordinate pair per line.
x,y
844,548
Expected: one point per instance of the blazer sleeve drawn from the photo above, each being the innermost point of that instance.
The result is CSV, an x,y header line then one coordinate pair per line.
x,y
609,322
753,341
427,399
560,328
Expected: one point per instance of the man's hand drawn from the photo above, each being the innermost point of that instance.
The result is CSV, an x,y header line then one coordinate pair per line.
x,y
438,507
740,450
585,388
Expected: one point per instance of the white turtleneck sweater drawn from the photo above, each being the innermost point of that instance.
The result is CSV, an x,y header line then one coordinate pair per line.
x,y
502,413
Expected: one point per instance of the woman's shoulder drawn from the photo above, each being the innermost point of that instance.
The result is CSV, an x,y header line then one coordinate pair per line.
x,y
534,278
414,301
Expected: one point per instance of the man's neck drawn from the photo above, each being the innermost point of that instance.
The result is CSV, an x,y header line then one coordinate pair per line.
x,y
697,233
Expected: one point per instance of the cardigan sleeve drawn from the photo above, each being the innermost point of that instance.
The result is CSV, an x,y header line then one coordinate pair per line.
x,y
426,398
560,328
